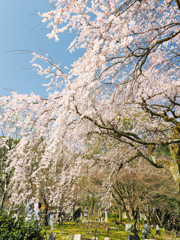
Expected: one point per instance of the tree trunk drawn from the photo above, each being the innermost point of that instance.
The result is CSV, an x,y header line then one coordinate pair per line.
x,y
92,207
135,216
60,217
3,200
45,213
4,194
179,196
120,214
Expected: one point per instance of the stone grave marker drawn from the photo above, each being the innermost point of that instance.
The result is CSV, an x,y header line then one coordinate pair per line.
x,y
106,216
52,219
77,237
128,227
85,214
147,227
51,236
157,229
145,231
130,237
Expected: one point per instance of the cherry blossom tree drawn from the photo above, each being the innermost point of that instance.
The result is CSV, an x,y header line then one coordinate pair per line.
x,y
128,75
124,89
4,176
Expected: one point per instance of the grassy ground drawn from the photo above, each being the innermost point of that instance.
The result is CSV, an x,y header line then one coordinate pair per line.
x,y
101,230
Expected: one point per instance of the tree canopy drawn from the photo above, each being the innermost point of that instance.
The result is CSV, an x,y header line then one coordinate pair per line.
x,y
124,90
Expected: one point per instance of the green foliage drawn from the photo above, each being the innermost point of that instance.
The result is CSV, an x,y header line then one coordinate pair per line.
x,y
164,151
127,125
12,228
88,201
169,202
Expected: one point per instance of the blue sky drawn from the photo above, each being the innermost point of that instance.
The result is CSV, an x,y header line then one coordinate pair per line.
x,y
17,22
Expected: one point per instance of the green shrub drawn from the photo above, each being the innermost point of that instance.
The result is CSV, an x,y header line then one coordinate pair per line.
x,y
13,228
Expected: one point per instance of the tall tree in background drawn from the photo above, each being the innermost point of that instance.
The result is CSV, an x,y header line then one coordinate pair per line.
x,y
148,191
124,88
